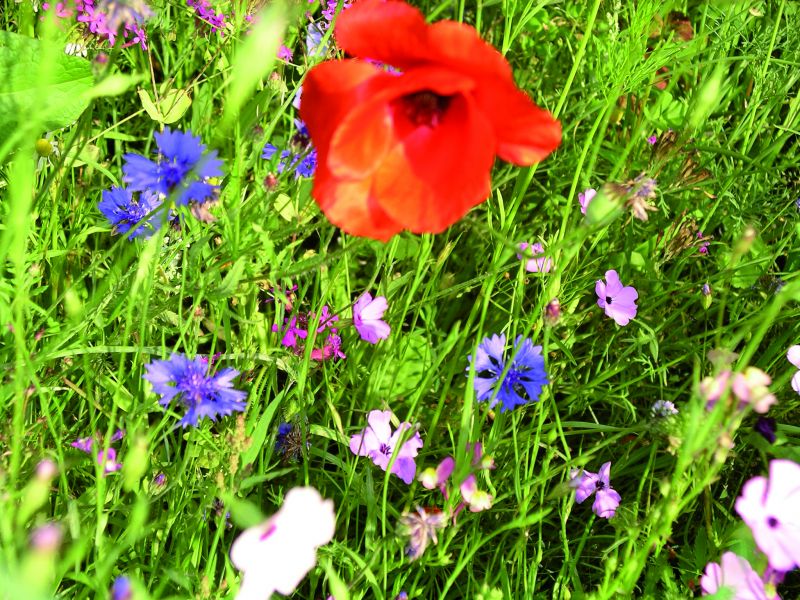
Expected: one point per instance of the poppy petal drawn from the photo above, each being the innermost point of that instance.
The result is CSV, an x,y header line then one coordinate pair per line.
x,y
391,32
436,174
525,133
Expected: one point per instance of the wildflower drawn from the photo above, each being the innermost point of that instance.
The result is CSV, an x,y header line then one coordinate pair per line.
x,y
108,460
206,14
160,480
421,528
640,191
314,46
552,312
46,470
120,13
414,150
766,426
275,555
706,289
110,19
793,356
46,538
524,381
289,442
618,302
538,263
436,478
704,243
124,212
662,409
476,499
379,443
284,53
750,388
296,329
183,168
368,318
652,140
734,575
606,499
585,197
121,589
769,507
202,394
302,164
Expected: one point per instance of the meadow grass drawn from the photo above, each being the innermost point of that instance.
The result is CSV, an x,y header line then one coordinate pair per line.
x,y
83,311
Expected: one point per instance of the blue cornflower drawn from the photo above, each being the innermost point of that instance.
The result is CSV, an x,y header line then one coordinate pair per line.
x,y
203,395
124,211
302,166
121,589
182,168
524,380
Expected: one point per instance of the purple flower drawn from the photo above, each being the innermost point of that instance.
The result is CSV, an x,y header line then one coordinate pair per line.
x,y
662,409
606,499
47,537
207,15
769,507
83,444
436,478
378,442
652,139
108,460
421,528
183,168
121,589
793,356
734,575
284,53
367,318
202,394
619,302
124,212
521,384
585,197
332,348
766,426
539,263
302,164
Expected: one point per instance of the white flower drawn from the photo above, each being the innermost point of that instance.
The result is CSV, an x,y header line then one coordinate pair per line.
x,y
275,555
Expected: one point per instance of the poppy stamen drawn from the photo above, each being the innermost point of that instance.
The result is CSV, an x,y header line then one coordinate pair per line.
x,y
425,108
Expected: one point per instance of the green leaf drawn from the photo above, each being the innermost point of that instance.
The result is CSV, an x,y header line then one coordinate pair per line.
x,y
40,83
172,106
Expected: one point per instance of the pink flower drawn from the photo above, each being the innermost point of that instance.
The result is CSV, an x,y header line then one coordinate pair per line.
x,y
585,197
284,53
367,318
108,460
769,507
606,498
378,442
794,357
275,555
750,388
539,263
652,139
476,499
619,302
735,575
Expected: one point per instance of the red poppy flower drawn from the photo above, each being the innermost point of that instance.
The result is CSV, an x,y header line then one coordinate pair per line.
x,y
414,150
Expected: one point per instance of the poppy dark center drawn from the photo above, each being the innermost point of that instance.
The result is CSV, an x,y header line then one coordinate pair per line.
x,y
425,108
772,522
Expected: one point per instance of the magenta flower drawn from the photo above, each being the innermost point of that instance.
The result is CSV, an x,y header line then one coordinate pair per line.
x,y
769,507
285,53
793,355
619,302
652,139
734,575
108,460
585,484
367,318
539,263
378,442
585,197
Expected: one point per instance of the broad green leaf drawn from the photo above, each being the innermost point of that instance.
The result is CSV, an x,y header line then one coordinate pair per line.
x,y
407,373
39,82
172,106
